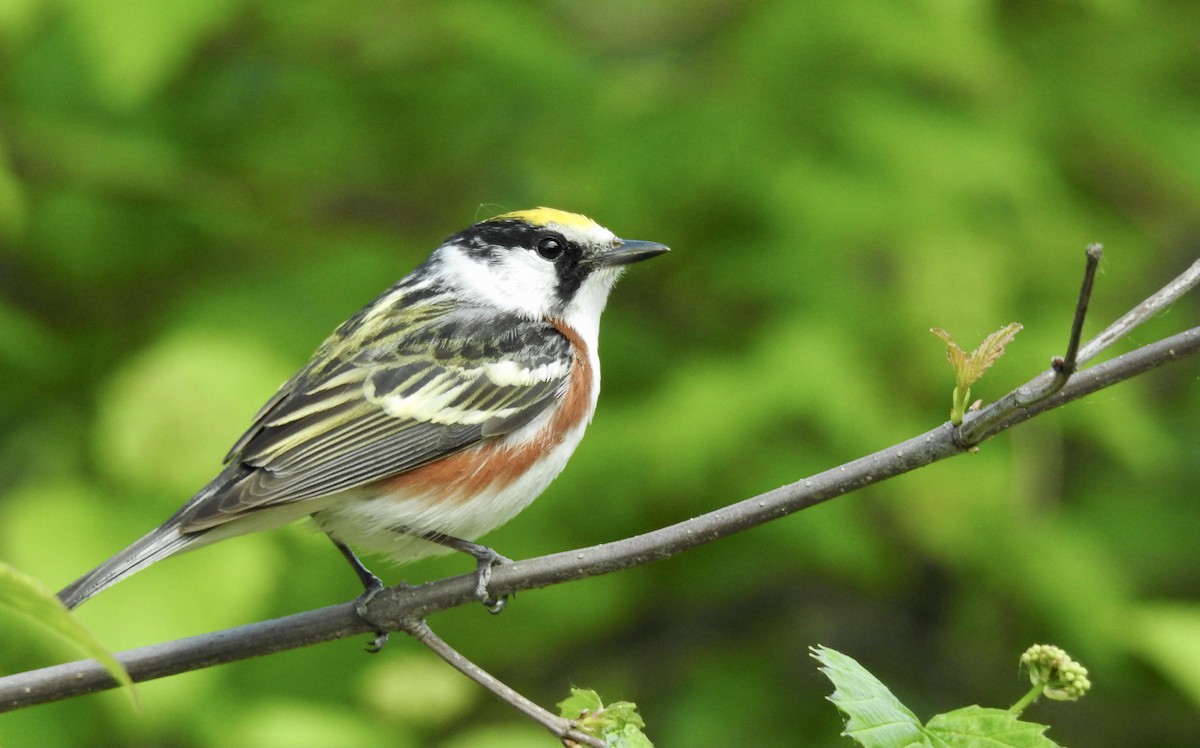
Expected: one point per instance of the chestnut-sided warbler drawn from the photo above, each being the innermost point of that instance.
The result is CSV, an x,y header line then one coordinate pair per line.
x,y
433,415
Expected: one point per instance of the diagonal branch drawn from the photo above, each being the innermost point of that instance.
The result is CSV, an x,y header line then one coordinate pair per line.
x,y
396,607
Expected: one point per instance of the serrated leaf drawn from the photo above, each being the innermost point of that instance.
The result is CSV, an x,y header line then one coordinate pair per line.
x,y
874,716
618,724
625,713
27,596
980,727
990,350
581,701
957,356
627,737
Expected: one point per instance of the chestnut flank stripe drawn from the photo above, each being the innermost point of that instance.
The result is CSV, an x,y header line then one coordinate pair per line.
x,y
495,464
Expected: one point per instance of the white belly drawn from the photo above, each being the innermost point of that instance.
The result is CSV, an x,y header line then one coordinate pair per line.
x,y
390,524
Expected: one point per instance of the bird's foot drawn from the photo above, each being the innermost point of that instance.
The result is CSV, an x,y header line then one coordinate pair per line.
x,y
360,608
485,560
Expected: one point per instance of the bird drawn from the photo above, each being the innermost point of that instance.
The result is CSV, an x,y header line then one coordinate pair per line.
x,y
430,417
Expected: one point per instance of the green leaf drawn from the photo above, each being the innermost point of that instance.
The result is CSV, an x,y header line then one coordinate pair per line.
x,y
627,737
874,716
581,701
27,596
980,727
618,724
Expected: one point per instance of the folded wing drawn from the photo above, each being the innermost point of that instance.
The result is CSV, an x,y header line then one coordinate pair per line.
x,y
423,391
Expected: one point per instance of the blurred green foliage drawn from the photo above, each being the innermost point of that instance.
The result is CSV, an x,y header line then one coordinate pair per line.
x,y
193,194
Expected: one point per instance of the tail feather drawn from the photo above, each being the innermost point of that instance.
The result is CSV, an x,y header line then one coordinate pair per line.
x,y
155,546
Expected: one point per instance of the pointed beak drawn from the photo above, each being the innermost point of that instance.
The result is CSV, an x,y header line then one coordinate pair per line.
x,y
628,251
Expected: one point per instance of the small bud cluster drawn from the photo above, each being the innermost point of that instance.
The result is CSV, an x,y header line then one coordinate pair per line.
x,y
1060,677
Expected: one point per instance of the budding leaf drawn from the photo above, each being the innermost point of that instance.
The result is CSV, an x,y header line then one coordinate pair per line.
x,y
959,361
968,369
991,349
619,725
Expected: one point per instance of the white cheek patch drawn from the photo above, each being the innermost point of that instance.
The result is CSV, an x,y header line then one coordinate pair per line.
x,y
523,283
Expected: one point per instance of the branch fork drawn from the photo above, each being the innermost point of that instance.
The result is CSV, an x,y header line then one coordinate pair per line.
x,y
382,619
1025,401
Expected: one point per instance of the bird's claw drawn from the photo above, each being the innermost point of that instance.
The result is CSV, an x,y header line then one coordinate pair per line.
x,y
376,646
483,575
360,608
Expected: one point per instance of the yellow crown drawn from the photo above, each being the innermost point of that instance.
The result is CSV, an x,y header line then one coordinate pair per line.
x,y
547,216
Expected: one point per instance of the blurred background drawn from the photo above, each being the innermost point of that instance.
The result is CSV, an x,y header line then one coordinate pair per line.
x,y
192,195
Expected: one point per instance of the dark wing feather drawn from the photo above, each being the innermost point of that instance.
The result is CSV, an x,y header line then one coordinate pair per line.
x,y
424,391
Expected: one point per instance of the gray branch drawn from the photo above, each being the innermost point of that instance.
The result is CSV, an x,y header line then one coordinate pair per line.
x,y
396,607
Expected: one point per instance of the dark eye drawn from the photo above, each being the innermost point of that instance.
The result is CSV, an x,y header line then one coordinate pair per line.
x,y
550,247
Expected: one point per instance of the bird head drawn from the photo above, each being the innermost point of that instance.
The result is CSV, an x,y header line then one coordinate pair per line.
x,y
540,263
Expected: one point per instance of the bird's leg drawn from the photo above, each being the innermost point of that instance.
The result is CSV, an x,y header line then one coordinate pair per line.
x,y
371,586
485,559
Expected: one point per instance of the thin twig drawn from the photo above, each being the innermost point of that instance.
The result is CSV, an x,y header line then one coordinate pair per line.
x,y
561,728
1061,367
1064,367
